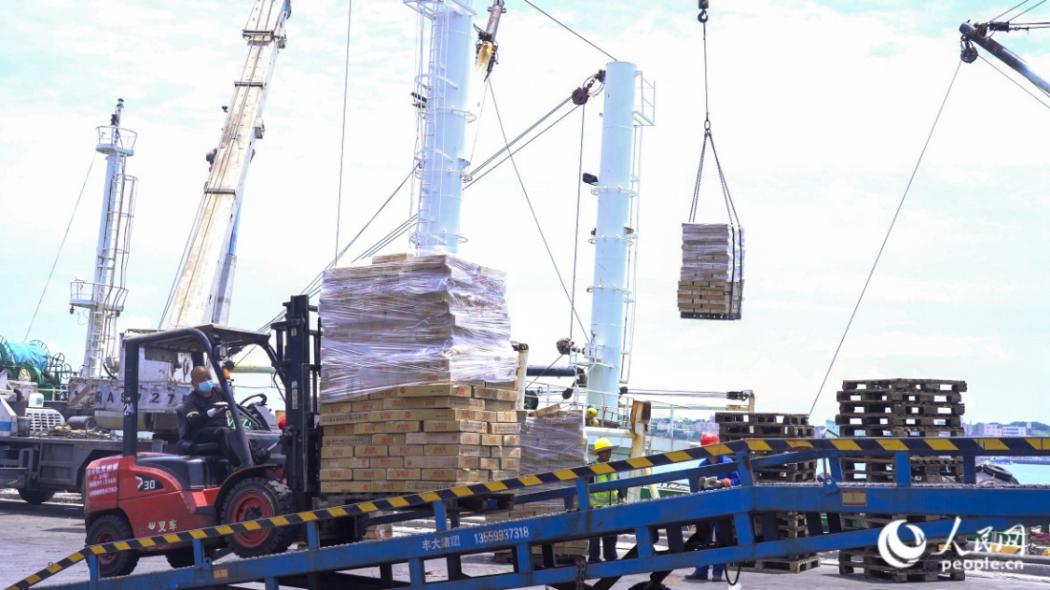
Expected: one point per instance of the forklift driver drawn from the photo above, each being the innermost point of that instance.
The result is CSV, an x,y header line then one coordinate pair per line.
x,y
206,414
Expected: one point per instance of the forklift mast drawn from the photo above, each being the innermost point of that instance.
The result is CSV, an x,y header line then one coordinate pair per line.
x,y
297,362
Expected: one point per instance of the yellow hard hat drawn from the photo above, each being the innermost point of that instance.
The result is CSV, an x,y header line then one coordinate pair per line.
x,y
602,444
592,411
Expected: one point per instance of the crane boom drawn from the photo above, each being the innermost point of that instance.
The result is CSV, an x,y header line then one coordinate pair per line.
x,y
979,34
201,291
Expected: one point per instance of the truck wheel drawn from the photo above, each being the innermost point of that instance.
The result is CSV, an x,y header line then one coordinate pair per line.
x,y
106,529
35,496
258,497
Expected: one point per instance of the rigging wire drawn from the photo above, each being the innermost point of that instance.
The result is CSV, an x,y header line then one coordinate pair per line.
x,y
502,150
886,238
342,134
313,287
576,232
569,29
1015,82
477,126
61,245
533,382
1028,26
1009,10
1027,10
475,180
532,210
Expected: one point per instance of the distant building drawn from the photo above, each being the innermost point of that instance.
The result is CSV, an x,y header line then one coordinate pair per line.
x,y
990,429
1014,431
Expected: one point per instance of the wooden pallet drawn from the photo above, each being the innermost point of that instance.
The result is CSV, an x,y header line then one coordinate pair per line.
x,y
864,409
924,385
766,430
851,431
692,315
793,566
899,421
761,418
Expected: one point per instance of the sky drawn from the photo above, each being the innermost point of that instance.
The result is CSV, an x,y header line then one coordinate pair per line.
x,y
819,108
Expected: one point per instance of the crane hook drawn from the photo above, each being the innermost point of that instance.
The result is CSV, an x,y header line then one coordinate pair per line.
x,y
703,5
968,51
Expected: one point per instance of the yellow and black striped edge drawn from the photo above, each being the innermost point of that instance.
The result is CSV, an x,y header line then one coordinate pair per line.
x,y
883,446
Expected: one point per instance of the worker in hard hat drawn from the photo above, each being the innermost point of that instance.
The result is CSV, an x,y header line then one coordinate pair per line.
x,y
710,531
604,450
592,416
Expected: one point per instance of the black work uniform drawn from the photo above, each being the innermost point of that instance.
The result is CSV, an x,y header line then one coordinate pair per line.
x,y
205,429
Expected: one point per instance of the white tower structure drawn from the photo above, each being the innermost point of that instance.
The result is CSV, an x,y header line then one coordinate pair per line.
x,y
103,298
445,91
629,106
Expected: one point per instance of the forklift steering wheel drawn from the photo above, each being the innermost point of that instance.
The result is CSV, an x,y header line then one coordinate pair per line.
x,y
244,402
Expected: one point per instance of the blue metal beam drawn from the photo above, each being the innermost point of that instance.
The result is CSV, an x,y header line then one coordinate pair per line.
x,y
980,507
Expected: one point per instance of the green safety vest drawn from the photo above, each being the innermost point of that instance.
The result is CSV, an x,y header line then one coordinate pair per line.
x,y
608,497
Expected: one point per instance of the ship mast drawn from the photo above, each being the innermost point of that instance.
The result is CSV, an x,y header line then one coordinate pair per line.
x,y
103,298
443,92
628,107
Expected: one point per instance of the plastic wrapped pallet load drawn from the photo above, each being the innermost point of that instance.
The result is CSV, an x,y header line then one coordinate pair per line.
x,y
418,377
711,282
552,438
415,321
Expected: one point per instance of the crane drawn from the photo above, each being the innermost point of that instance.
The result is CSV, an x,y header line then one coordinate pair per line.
x,y
202,288
979,34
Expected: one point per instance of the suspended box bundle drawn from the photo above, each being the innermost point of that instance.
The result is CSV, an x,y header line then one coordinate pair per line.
x,y
420,438
711,282
408,321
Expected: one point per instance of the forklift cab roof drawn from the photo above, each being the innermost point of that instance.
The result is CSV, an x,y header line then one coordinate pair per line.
x,y
189,340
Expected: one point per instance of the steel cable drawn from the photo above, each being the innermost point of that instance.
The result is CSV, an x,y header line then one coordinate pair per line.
x,y
885,239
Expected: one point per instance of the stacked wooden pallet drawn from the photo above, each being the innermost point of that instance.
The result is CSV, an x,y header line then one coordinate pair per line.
x,y
552,438
899,408
420,438
711,282
788,525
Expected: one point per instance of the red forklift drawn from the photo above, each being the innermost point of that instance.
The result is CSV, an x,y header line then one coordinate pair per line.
x,y
192,485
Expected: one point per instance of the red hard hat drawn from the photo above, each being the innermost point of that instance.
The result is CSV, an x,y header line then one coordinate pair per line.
x,y
708,438
282,422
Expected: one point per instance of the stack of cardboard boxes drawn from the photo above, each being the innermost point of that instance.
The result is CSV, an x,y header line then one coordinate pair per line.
x,y
711,282
417,379
420,438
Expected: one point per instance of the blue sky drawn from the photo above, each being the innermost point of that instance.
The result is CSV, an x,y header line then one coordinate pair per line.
x,y
819,109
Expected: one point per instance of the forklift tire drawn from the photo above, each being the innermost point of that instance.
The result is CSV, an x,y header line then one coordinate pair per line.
x,y
106,529
258,497
35,496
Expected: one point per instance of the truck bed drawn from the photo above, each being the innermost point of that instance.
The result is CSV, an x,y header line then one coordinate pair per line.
x,y
53,463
